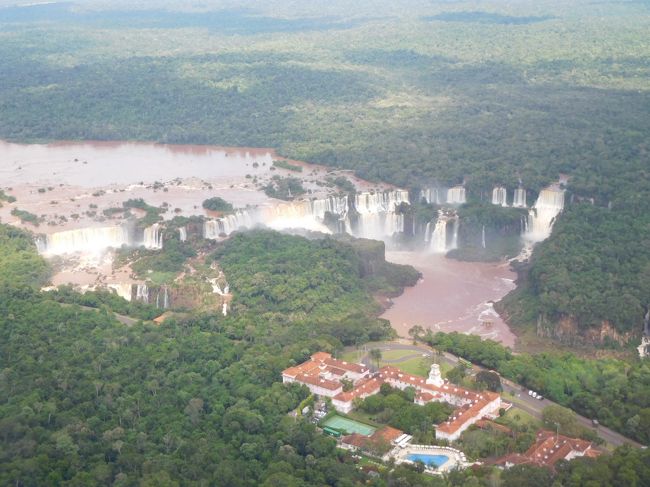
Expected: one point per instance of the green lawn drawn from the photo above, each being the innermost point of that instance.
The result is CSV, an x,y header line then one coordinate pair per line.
x,y
518,418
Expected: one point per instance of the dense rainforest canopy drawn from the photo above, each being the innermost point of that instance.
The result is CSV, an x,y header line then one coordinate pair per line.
x,y
403,93
86,400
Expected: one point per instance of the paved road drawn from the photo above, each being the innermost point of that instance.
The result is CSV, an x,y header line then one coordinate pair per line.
x,y
125,320
522,400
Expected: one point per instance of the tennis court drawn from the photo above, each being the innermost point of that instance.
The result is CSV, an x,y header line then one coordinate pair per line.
x,y
349,426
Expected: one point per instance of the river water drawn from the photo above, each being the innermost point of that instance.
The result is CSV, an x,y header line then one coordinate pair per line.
x,y
70,183
452,296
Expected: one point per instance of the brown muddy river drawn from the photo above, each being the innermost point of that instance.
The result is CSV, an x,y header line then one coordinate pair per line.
x,y
68,184
452,296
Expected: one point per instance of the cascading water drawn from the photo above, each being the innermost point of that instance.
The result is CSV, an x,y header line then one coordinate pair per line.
x,y
162,298
500,196
377,216
217,289
483,237
519,200
335,205
213,229
182,234
438,240
454,234
89,240
123,290
548,206
432,196
456,195
427,233
142,293
153,237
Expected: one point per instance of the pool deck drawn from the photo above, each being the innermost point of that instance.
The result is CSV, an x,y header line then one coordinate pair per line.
x,y
456,460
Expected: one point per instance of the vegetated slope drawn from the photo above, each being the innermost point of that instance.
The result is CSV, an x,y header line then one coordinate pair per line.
x,y
85,400
612,391
593,273
425,96
292,280
19,263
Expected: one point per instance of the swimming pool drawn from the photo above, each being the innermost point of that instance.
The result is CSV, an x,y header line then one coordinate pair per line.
x,y
427,459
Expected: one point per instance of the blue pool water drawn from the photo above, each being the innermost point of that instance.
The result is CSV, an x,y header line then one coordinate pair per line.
x,y
435,460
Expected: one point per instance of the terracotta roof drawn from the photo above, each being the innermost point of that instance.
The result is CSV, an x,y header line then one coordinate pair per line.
x,y
549,448
391,373
387,433
355,439
319,381
348,366
303,368
365,387
464,413
488,424
322,361
320,356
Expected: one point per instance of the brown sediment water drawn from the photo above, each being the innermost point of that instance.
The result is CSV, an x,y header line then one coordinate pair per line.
x,y
99,164
63,181
69,184
452,296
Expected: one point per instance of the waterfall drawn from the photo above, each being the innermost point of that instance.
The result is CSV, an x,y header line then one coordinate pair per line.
x,y
165,298
302,214
123,290
41,244
456,195
377,218
500,196
438,241
336,205
519,200
217,289
375,215
89,240
483,237
153,238
431,196
213,229
142,293
224,309
548,206
182,234
454,234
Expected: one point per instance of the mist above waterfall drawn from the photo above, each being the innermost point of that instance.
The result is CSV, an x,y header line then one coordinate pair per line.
x,y
548,206
88,240
371,215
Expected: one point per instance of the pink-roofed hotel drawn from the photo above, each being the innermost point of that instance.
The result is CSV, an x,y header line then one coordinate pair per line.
x,y
322,374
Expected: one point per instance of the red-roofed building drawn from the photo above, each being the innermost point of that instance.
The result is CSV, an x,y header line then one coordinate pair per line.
x,y
548,449
383,437
323,375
